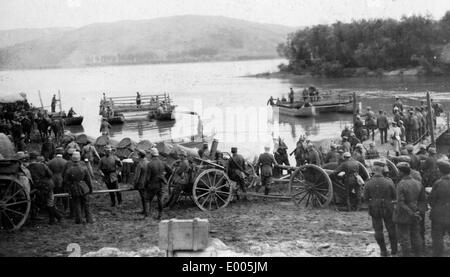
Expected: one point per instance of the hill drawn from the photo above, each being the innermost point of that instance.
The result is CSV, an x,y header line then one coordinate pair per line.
x,y
171,39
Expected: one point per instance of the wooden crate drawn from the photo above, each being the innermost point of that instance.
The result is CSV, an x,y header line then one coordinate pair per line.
x,y
183,234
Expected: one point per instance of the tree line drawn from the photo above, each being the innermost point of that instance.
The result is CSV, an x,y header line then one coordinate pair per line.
x,y
344,49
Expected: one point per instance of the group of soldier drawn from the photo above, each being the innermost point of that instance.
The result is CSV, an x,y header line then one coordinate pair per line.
x,y
309,95
409,125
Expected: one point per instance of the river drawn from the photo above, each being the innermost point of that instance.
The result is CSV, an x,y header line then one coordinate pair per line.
x,y
231,105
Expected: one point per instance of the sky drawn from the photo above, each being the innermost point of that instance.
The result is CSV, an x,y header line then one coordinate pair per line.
x,y
76,13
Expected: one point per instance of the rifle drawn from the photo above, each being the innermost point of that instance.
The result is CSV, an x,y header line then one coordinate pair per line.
x,y
239,167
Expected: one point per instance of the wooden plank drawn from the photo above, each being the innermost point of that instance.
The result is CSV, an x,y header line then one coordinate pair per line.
x,y
98,191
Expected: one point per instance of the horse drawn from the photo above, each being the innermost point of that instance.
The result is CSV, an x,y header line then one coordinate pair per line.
x,y
43,125
57,127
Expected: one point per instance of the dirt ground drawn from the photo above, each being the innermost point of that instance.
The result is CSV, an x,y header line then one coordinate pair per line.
x,y
255,227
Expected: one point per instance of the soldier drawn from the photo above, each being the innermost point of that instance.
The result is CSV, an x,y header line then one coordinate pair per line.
x,y
105,127
379,193
351,168
401,126
78,182
332,156
430,170
89,154
383,126
358,154
440,213
180,179
48,149
371,124
358,127
372,153
313,156
157,171
291,96
281,157
140,177
346,132
264,168
410,195
73,145
270,101
53,105
353,140
346,146
109,165
42,180
415,163
420,122
57,165
236,169
300,152
204,152
398,104
396,133
138,100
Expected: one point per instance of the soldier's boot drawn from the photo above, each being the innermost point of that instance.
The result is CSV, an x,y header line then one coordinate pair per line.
x,y
394,245
382,245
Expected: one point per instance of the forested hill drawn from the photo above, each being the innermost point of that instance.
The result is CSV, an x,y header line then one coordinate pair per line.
x,y
187,38
370,47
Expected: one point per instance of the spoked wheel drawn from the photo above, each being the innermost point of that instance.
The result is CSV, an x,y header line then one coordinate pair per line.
x,y
311,187
15,203
212,190
251,180
393,172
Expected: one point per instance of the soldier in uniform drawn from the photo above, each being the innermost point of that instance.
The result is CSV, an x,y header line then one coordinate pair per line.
x,y
332,155
78,182
351,168
42,180
410,195
371,124
89,153
383,126
313,156
358,154
353,140
48,149
300,152
372,153
346,132
379,193
358,127
415,163
236,169
57,165
346,146
105,127
204,152
108,166
430,170
440,208
180,179
157,171
264,166
140,177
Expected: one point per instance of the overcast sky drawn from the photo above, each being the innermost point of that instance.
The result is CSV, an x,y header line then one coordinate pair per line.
x,y
76,13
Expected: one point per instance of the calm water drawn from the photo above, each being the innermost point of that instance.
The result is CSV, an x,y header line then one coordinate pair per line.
x,y
232,106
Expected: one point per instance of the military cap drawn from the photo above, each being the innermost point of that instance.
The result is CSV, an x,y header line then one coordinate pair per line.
x,y
344,137
347,155
340,151
183,153
395,108
372,143
59,150
359,145
310,145
400,122
404,159
422,147
141,152
76,156
352,134
233,149
333,146
409,147
20,155
403,165
394,123
443,165
108,147
432,150
380,163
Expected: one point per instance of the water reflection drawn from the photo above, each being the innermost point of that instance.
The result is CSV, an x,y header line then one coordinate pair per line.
x,y
76,129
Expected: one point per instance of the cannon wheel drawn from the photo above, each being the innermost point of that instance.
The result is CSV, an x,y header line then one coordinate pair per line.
x,y
15,203
212,190
311,186
393,171
252,180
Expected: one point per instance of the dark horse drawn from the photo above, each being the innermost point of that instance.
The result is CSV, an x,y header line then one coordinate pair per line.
x,y
43,125
57,127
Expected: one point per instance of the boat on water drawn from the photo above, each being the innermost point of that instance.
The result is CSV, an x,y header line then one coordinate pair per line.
x,y
311,106
158,106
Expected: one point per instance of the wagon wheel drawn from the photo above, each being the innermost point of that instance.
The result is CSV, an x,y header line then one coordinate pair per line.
x,y
170,183
393,172
252,179
212,190
365,175
15,203
311,186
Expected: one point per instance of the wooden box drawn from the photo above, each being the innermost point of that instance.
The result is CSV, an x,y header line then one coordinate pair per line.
x,y
183,234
